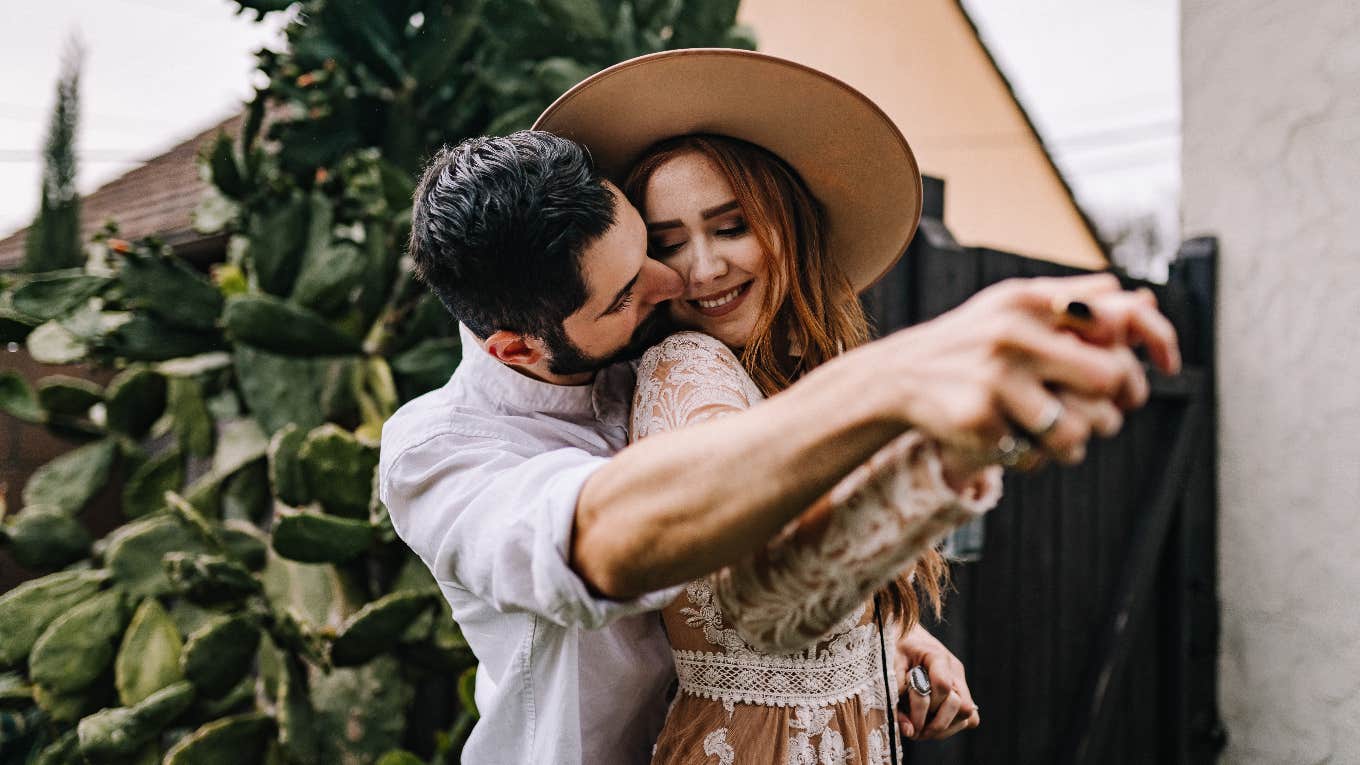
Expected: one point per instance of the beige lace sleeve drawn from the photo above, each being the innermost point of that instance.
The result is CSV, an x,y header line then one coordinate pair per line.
x,y
689,377
875,523
826,562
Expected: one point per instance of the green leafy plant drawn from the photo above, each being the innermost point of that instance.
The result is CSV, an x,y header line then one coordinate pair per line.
x,y
256,605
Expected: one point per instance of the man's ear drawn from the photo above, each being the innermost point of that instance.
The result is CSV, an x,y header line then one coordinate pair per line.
x,y
514,349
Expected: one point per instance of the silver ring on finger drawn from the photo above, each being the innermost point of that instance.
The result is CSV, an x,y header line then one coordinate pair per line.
x,y
1052,413
1011,450
919,681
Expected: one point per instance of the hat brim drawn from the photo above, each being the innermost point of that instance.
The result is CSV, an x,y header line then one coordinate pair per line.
x,y
853,158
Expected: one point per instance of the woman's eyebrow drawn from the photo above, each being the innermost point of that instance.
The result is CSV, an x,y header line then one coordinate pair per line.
x,y
714,212
711,212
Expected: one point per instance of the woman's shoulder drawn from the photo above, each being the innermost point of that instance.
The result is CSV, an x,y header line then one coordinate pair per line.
x,y
689,343
686,353
685,378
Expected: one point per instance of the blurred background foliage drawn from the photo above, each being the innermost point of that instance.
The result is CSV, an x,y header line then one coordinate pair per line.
x,y
256,606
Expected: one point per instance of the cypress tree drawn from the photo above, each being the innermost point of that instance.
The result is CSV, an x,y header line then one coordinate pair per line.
x,y
54,238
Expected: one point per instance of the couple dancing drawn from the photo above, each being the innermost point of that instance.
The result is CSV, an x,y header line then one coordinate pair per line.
x,y
740,584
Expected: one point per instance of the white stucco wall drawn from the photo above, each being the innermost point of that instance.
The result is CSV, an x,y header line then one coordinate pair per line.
x,y
1272,166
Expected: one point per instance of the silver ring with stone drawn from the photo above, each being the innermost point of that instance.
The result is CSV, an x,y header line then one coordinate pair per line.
x,y
919,681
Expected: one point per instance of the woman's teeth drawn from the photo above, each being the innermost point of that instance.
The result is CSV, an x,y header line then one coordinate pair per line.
x,y
720,300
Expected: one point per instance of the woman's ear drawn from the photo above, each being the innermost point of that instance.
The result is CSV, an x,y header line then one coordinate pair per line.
x,y
514,349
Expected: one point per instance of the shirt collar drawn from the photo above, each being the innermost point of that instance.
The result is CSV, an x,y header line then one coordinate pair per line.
x,y
607,398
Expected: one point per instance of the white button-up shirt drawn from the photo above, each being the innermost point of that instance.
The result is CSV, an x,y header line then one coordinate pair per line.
x,y
481,479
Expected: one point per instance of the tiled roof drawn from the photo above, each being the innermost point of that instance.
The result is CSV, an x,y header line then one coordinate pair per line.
x,y
155,198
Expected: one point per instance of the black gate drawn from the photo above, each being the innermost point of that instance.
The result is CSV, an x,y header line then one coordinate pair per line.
x,y
1086,606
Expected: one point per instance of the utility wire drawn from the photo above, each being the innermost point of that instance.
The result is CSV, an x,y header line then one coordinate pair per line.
x,y
36,113
111,155
1096,139
1125,134
1118,167
175,9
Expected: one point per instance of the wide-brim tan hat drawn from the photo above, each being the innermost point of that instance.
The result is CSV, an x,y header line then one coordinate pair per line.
x,y
851,155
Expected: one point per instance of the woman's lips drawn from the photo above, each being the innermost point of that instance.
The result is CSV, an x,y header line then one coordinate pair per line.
x,y
723,303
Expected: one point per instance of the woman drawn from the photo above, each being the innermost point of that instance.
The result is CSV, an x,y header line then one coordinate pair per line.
x,y
781,658
738,224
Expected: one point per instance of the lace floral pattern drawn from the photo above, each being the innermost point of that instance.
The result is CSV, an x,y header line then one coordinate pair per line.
x,y
715,745
689,377
844,666
785,638
886,513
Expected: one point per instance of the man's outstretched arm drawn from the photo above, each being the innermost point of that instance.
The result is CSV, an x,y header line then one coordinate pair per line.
x,y
682,504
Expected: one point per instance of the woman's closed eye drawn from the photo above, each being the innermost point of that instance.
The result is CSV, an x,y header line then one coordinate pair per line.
x,y
733,229
660,249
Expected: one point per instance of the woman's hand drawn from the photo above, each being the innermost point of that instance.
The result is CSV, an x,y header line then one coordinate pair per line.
x,y
950,707
1079,419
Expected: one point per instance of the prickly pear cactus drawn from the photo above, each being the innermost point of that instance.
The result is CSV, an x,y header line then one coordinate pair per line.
x,y
256,605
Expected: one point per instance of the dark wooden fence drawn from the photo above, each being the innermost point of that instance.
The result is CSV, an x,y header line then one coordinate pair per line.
x,y
1086,609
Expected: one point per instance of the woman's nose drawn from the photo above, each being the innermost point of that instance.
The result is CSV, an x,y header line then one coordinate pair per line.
x,y
708,266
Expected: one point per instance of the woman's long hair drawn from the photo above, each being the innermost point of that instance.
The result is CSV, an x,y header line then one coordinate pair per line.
x,y
810,312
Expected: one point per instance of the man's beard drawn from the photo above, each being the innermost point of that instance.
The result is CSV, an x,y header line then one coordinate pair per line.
x,y
567,359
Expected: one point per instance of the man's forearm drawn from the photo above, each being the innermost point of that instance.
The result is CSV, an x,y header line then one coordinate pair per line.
x,y
682,504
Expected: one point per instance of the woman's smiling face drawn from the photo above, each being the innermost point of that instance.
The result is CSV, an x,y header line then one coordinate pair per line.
x,y
696,227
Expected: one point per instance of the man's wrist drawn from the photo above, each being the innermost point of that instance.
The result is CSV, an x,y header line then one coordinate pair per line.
x,y
871,382
855,389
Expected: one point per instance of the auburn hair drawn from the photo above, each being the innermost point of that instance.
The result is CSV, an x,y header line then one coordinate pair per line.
x,y
810,313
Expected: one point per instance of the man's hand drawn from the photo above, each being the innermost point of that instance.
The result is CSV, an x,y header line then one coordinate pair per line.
x,y
1000,364
950,707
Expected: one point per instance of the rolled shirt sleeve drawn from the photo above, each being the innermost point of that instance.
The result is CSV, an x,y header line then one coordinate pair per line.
x,y
496,519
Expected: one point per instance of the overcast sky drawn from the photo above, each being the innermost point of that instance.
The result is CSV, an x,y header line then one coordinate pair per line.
x,y
156,72
1099,79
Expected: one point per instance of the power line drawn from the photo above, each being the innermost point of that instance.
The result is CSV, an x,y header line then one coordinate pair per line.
x,y
1099,152
129,163
29,111
1126,151
1115,167
92,155
1124,134
98,127
1159,130
171,8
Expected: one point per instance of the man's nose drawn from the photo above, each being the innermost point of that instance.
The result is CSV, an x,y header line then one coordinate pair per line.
x,y
663,282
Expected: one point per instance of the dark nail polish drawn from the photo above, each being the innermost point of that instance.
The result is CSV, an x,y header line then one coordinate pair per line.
x,y
1080,310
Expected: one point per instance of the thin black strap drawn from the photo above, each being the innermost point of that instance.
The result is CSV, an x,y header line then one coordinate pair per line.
x,y
887,687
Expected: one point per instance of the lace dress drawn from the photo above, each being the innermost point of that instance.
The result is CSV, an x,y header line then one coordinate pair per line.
x,y
778,657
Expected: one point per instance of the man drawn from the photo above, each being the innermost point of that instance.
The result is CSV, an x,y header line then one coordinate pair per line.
x,y
552,542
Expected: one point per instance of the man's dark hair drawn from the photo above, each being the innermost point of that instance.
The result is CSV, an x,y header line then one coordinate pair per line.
x,y
498,229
